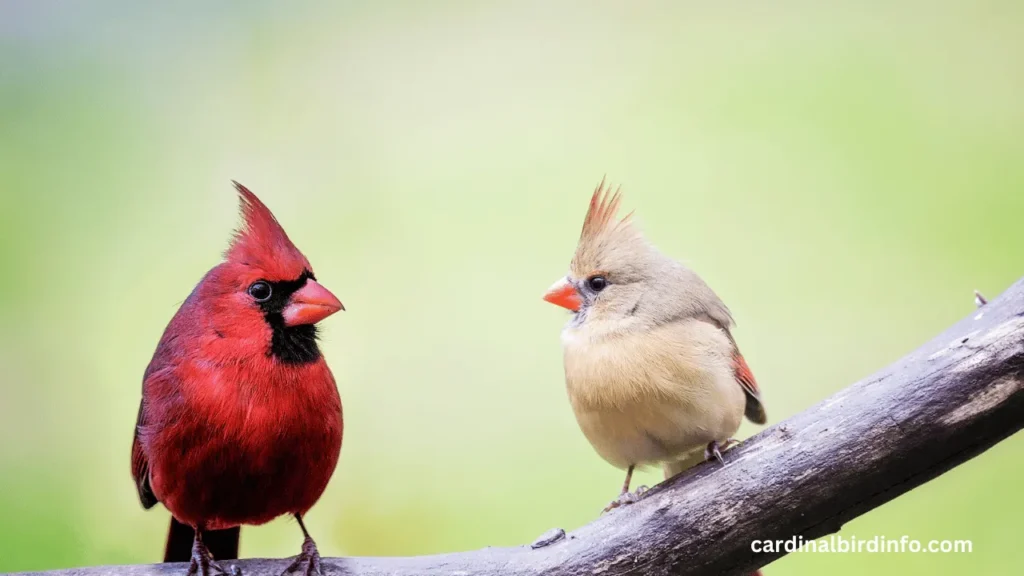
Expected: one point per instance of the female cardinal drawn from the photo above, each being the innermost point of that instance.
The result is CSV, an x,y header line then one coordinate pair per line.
x,y
653,374
240,419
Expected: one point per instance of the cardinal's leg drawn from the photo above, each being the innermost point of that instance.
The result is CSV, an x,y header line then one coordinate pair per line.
x,y
309,558
626,497
202,561
714,449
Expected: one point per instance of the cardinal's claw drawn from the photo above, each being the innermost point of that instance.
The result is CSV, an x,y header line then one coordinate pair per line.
x,y
626,498
202,561
309,556
713,451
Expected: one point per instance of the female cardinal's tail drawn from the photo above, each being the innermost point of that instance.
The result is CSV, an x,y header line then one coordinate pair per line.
x,y
223,544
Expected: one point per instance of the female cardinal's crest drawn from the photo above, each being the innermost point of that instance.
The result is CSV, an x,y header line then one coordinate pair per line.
x,y
603,206
262,243
601,231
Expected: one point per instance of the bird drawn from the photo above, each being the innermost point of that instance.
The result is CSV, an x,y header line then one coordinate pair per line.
x,y
652,370
240,420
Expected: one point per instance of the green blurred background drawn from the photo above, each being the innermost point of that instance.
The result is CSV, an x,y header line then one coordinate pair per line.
x,y
843,174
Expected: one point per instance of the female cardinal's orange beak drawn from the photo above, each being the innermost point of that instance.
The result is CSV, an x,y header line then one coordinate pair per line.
x,y
564,294
310,304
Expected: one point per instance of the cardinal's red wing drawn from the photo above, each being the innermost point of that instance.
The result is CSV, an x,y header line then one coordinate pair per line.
x,y
140,464
755,409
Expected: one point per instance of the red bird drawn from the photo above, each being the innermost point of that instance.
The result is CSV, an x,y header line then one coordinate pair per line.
x,y
240,420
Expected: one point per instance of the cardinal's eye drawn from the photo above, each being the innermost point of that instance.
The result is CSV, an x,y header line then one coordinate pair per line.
x,y
597,283
260,291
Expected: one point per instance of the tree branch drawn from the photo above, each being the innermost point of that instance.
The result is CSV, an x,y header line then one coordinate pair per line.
x,y
943,404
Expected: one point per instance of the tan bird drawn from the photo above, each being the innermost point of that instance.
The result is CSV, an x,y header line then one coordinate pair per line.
x,y
653,373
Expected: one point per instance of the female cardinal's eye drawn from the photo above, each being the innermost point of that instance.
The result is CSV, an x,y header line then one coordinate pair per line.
x,y
597,283
260,291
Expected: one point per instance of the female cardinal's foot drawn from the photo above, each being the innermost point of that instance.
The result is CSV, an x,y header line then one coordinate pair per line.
x,y
309,557
202,560
626,498
714,449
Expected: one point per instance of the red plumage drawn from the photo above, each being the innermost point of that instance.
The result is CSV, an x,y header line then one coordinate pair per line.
x,y
240,420
754,409
743,374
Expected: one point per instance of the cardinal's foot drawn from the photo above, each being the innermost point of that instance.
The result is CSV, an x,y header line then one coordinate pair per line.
x,y
714,449
626,498
202,562
308,560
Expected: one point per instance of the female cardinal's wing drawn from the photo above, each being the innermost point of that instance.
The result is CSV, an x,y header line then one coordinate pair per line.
x,y
755,408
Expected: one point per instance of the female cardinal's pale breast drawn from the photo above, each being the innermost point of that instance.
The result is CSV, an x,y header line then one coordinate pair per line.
x,y
651,396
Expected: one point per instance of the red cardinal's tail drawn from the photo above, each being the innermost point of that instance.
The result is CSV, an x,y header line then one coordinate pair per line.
x,y
223,544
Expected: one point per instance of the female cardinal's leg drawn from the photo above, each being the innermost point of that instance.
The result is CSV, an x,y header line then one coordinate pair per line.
x,y
626,497
714,449
309,556
629,478
202,561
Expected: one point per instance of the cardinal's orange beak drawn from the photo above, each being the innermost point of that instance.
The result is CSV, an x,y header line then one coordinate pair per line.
x,y
310,304
564,294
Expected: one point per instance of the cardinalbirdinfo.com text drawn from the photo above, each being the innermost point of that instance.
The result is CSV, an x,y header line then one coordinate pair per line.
x,y
875,545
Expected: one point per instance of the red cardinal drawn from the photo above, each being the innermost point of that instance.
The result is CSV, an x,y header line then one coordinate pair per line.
x,y
240,420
